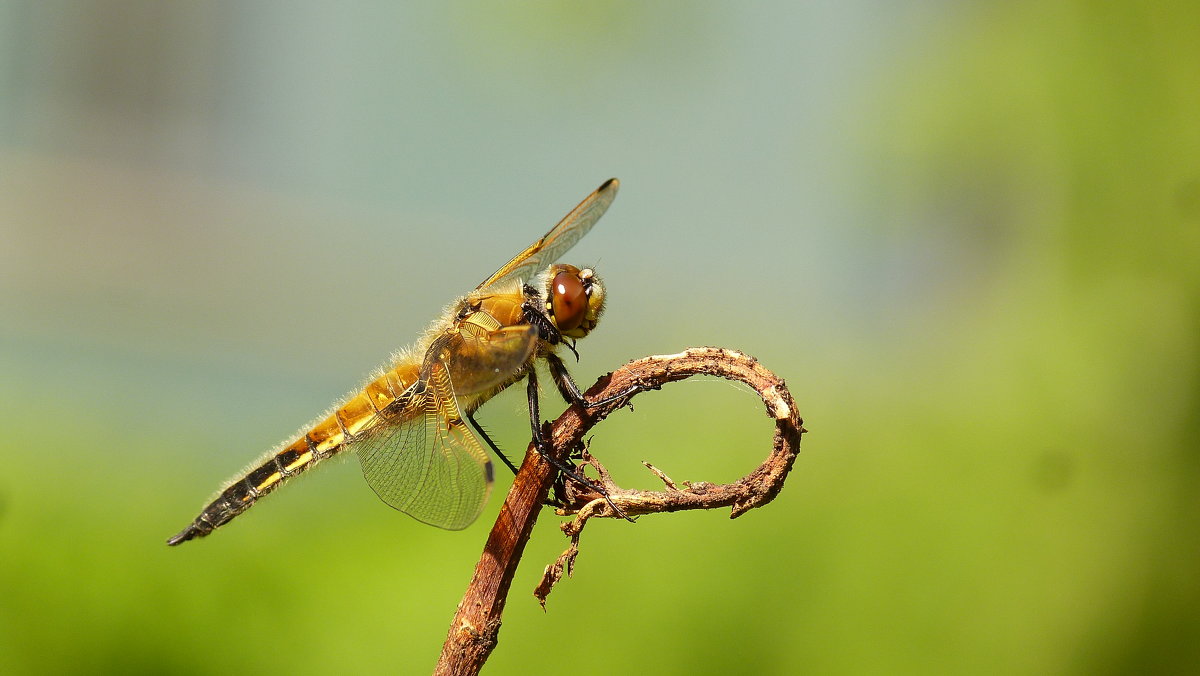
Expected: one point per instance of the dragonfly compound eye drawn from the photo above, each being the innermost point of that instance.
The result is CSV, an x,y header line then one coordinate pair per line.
x,y
568,301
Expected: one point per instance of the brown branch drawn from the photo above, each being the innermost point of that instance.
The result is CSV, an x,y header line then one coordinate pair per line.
x,y
476,626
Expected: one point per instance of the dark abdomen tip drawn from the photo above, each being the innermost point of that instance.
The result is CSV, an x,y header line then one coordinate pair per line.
x,y
184,535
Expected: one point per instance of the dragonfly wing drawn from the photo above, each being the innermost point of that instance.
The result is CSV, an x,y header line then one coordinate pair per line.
x,y
425,461
561,237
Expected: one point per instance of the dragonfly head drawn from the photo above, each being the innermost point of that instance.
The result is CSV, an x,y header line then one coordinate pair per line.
x,y
574,299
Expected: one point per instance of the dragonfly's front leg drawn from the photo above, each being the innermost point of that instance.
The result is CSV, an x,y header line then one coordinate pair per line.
x,y
571,392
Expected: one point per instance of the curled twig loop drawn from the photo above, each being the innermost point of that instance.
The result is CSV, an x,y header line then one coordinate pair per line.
x,y
476,626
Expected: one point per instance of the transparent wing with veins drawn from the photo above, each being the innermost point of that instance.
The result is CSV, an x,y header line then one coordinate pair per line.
x,y
561,237
422,458
430,466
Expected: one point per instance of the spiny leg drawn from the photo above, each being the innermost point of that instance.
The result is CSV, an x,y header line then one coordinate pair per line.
x,y
491,444
500,454
558,371
543,448
571,392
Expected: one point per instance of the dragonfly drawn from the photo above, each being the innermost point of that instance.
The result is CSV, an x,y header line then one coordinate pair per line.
x,y
412,425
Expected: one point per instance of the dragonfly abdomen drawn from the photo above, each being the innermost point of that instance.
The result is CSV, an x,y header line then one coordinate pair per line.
x,y
244,492
326,438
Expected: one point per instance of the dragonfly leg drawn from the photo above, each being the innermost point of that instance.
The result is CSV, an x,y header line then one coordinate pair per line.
x,y
571,392
543,447
491,444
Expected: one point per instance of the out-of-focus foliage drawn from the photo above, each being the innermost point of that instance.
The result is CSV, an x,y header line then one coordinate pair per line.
x,y
968,236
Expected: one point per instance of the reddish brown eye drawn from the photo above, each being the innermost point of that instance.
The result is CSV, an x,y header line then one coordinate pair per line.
x,y
568,301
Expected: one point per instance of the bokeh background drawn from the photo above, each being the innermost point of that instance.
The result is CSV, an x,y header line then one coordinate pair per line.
x,y
966,233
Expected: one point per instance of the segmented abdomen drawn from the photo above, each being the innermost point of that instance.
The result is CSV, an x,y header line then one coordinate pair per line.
x,y
327,438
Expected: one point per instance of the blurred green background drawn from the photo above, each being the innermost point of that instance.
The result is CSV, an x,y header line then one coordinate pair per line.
x,y
966,233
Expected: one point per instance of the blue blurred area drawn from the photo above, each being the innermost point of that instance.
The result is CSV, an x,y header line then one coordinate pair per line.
x,y
966,234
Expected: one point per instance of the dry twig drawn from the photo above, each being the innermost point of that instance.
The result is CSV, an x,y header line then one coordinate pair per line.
x,y
476,626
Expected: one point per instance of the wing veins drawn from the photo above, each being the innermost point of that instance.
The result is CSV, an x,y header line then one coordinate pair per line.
x,y
419,463
559,239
